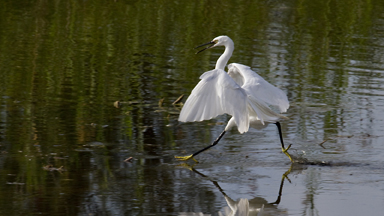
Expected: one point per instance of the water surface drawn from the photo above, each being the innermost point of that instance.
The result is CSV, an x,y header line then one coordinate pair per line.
x,y
64,145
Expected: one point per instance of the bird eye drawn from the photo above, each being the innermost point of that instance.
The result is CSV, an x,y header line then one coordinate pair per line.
x,y
215,41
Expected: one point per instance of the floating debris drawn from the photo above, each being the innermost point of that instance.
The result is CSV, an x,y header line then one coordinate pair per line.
x,y
161,102
51,168
117,104
321,144
134,102
178,99
129,160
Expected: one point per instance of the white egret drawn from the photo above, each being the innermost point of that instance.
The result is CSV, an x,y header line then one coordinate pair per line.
x,y
241,93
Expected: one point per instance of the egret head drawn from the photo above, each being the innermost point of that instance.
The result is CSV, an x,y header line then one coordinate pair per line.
x,y
217,41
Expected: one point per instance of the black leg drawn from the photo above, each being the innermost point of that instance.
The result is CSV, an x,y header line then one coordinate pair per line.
x,y
280,134
285,150
198,152
213,144
285,176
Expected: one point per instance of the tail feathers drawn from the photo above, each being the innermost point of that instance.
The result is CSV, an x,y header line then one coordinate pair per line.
x,y
242,126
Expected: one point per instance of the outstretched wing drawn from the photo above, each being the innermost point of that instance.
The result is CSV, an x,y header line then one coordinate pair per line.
x,y
259,89
216,93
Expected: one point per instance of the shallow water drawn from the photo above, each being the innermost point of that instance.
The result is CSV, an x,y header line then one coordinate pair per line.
x,y
65,147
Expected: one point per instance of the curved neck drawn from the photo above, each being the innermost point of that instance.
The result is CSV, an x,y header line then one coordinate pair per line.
x,y
223,60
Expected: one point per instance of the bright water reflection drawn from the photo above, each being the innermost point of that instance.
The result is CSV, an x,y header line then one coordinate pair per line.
x,y
243,206
63,143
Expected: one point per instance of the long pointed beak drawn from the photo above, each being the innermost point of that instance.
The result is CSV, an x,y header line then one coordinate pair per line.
x,y
209,43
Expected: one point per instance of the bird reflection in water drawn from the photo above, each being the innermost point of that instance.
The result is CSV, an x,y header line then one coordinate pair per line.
x,y
243,207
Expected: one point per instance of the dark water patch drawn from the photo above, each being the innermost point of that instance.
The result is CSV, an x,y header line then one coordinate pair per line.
x,y
304,161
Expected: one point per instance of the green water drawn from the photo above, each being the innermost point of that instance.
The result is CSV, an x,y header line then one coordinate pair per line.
x,y
63,143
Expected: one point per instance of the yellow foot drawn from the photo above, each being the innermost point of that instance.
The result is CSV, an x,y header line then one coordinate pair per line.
x,y
185,165
184,158
285,175
285,151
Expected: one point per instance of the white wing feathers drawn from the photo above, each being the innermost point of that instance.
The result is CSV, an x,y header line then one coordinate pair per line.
x,y
256,86
241,93
216,93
